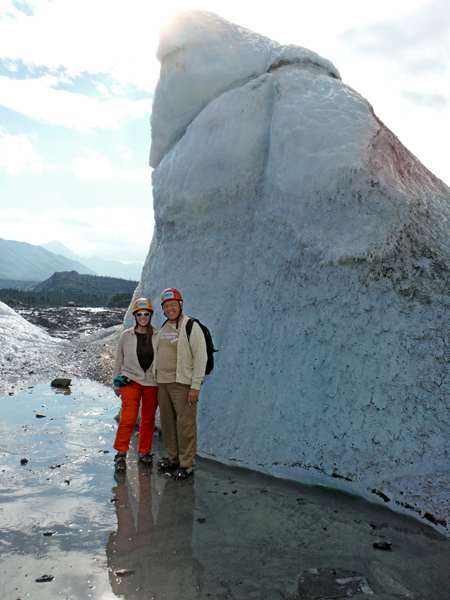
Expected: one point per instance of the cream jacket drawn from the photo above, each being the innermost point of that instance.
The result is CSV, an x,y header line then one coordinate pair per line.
x,y
191,355
127,362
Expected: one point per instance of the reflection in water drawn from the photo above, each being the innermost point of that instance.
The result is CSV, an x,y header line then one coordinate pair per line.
x,y
151,555
252,536
62,390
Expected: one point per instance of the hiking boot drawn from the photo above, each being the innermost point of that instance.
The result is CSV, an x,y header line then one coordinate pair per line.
x,y
120,463
168,463
147,458
184,472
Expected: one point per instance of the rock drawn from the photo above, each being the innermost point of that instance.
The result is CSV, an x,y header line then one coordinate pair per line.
x,y
316,248
61,382
383,546
45,578
331,583
24,461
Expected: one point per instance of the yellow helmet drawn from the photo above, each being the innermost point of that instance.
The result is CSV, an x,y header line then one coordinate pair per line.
x,y
142,303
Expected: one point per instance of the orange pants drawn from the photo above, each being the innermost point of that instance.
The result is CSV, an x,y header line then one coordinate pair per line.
x,y
132,395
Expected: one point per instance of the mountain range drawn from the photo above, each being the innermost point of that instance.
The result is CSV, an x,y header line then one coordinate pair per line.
x,y
20,261
26,262
99,266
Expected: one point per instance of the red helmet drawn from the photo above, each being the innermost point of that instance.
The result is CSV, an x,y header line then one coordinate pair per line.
x,y
170,294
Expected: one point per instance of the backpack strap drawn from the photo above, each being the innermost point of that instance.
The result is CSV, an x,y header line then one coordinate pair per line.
x,y
189,325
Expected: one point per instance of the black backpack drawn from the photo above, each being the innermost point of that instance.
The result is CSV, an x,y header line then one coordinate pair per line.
x,y
209,342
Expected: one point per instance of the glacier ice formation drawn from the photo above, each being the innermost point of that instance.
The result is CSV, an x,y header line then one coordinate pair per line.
x,y
23,346
316,248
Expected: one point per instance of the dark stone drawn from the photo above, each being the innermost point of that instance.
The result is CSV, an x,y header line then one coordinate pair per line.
x,y
383,546
38,416
45,578
61,382
201,520
49,533
24,461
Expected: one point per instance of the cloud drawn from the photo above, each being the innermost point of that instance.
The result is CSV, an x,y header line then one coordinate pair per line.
x,y
97,36
433,101
419,41
18,155
38,99
111,233
97,166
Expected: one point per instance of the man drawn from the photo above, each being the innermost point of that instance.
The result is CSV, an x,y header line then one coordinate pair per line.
x,y
179,369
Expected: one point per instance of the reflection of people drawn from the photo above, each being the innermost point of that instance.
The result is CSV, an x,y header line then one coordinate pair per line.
x,y
179,369
151,555
134,360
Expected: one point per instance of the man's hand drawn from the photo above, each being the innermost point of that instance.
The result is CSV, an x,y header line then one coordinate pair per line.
x,y
193,396
117,392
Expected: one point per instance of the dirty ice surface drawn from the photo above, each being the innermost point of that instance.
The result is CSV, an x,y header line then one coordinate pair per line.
x,y
70,530
29,354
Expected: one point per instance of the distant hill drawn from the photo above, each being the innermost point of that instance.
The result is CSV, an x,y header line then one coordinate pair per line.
x,y
71,282
26,262
17,284
68,288
109,268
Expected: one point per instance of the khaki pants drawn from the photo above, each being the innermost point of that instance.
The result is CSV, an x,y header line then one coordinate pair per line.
x,y
178,422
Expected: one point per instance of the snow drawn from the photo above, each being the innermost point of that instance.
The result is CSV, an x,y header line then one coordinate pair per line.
x,y
24,348
316,248
17,335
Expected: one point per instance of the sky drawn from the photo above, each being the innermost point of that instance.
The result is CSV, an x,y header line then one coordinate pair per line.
x,y
76,86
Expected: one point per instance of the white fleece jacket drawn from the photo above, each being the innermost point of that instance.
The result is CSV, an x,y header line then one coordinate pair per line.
x,y
191,355
127,362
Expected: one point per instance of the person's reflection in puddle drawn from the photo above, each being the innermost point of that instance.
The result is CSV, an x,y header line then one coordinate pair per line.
x,y
151,555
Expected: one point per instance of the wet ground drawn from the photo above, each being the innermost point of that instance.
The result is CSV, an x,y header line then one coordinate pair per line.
x,y
71,530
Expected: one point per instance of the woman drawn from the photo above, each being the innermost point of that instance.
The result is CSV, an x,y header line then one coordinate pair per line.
x,y
135,385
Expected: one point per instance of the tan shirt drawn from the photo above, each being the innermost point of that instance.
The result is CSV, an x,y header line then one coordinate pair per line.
x,y
166,359
191,356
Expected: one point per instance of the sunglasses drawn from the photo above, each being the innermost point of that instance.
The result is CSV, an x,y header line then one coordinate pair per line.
x,y
143,314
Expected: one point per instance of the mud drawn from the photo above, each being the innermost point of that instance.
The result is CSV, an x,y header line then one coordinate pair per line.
x,y
71,529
